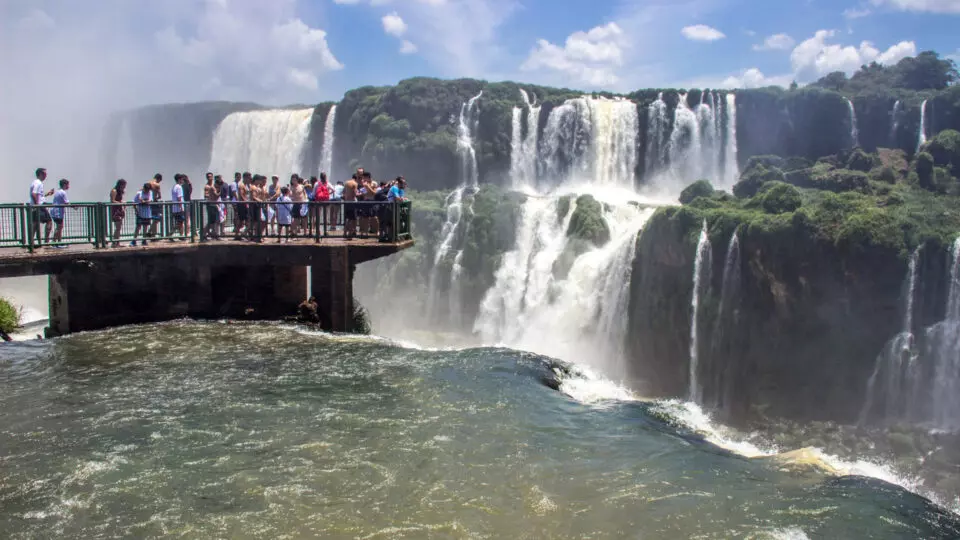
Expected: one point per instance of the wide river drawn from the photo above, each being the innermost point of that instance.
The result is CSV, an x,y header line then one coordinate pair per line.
x,y
214,430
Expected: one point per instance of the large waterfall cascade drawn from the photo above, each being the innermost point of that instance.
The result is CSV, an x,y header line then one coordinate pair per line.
x,y
268,142
922,133
523,144
731,167
701,270
894,374
854,131
458,205
326,153
657,125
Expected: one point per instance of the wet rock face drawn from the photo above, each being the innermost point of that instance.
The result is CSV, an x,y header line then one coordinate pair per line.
x,y
798,339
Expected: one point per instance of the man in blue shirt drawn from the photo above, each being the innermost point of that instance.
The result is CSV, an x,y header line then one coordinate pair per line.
x,y
60,201
397,190
394,195
142,199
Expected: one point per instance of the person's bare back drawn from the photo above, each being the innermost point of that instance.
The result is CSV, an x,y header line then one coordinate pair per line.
x,y
350,190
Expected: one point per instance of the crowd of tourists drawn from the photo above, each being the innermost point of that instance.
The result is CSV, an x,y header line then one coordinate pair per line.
x,y
260,207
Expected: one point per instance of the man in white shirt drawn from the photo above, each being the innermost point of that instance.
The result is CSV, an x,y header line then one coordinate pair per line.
x,y
39,214
179,211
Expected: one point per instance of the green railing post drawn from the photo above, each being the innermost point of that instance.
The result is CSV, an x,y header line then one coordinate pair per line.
x,y
193,220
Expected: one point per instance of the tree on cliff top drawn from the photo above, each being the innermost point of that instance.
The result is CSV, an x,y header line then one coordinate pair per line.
x,y
9,316
926,71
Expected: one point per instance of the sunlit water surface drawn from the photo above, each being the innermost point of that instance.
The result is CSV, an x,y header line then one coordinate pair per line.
x,y
211,430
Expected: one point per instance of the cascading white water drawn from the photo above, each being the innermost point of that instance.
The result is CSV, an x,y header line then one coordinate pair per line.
x,y
731,167
729,290
580,316
656,154
710,147
266,142
854,131
590,139
897,363
701,270
922,134
944,344
125,167
326,154
894,122
685,149
523,145
459,206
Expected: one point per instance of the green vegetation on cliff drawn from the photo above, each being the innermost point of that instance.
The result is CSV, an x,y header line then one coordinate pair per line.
x,y
9,316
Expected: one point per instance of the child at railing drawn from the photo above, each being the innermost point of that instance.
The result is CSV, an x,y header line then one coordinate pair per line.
x,y
284,214
142,199
58,211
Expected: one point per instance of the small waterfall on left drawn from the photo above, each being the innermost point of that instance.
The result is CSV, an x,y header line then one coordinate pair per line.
x,y
458,205
267,142
326,154
922,133
854,131
701,280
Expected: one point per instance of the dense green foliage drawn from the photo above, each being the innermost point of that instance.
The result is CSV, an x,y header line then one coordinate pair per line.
x,y
9,316
700,188
587,222
926,71
779,198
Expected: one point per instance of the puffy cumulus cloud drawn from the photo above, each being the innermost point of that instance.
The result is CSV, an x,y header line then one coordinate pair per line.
x,y
702,32
814,57
393,24
921,6
219,43
776,42
754,78
406,47
590,57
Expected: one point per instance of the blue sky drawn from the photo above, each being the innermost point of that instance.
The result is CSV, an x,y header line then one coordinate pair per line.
x,y
286,51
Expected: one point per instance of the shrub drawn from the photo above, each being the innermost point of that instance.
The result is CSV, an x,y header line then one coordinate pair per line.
x,y
924,167
861,161
944,148
754,177
9,316
587,222
840,180
361,321
884,174
780,198
768,161
700,188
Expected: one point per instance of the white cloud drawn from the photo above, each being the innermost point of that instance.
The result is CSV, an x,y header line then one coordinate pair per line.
x,y
776,42
406,47
702,32
814,57
393,24
928,6
856,13
955,56
590,57
754,78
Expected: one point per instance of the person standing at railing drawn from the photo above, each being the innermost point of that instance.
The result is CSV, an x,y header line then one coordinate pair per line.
x,y
60,200
395,195
223,193
156,209
117,211
178,208
273,192
143,200
336,196
257,196
321,194
211,194
284,214
350,208
299,197
39,214
187,197
241,206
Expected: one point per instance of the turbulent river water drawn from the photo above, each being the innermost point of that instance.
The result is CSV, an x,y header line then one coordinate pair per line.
x,y
204,430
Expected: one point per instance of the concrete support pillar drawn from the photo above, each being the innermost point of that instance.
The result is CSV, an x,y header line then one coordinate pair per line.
x,y
332,285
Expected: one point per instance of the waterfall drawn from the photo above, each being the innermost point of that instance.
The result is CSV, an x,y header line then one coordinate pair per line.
x,y
710,144
897,363
854,132
656,155
125,165
458,205
685,147
726,317
265,142
922,135
580,316
591,139
944,344
701,269
326,155
731,168
523,145
894,123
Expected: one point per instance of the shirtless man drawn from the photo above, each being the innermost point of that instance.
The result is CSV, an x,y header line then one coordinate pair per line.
x,y
212,196
299,197
257,195
242,210
350,207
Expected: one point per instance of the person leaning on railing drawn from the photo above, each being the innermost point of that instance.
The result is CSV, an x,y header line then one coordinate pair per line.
x,y
143,200
395,195
59,211
117,211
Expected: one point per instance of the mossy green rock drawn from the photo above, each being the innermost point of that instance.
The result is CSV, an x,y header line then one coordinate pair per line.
x,y
700,188
587,222
754,177
779,198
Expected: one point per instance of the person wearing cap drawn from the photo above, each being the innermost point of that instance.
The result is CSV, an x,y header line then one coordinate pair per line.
x,y
39,214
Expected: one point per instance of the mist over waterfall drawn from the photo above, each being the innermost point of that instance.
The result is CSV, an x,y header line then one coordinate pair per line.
x,y
523,144
701,269
590,139
268,142
326,154
943,346
922,133
125,165
854,131
458,207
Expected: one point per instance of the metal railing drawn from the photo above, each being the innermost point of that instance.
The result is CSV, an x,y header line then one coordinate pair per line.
x,y
105,225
